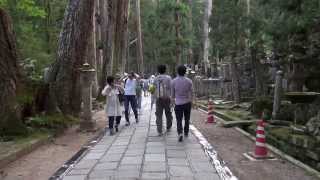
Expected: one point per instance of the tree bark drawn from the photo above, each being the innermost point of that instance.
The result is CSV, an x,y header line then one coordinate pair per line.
x,y
120,28
235,81
206,41
139,38
258,72
178,34
97,30
9,76
92,56
106,26
234,69
48,25
190,26
125,39
72,51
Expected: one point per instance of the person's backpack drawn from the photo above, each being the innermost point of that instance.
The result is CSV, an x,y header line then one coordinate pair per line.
x,y
162,90
152,88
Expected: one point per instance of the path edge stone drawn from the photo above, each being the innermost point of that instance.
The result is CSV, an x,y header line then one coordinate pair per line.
x,y
69,164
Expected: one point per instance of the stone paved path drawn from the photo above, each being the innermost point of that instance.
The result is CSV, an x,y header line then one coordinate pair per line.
x,y
137,152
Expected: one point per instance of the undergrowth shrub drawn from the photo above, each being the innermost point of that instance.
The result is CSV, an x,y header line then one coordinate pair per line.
x,y
261,104
54,122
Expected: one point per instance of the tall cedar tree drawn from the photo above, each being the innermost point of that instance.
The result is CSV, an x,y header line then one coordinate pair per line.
x,y
65,89
9,77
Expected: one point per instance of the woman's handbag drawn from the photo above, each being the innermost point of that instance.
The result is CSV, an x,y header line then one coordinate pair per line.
x,y
121,96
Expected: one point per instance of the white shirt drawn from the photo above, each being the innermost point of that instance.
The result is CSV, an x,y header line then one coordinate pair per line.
x,y
130,87
113,106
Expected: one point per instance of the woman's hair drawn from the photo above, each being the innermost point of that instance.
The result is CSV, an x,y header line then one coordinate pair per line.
x,y
110,80
182,70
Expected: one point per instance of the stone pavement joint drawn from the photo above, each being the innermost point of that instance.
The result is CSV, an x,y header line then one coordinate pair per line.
x,y
137,152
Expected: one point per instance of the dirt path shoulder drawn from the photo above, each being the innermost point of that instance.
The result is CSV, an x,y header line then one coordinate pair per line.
x,y
230,145
44,161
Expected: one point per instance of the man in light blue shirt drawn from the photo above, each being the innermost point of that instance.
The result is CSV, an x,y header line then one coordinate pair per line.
x,y
130,97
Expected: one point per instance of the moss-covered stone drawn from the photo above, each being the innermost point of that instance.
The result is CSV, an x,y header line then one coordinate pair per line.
x,y
242,115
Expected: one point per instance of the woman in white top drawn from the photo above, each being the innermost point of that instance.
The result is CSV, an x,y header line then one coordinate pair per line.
x,y
114,107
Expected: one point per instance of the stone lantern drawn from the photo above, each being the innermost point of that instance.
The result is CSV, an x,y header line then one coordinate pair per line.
x,y
86,76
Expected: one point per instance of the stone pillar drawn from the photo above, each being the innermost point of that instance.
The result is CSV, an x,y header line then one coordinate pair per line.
x,y
277,94
87,76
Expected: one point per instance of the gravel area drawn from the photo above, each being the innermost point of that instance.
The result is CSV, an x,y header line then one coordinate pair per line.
x,y
230,145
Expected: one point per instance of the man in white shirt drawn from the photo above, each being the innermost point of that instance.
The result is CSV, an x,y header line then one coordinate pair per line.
x,y
130,97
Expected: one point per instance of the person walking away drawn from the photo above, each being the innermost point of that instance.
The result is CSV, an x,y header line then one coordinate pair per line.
x,y
145,87
152,95
182,92
163,98
139,94
113,104
130,97
152,90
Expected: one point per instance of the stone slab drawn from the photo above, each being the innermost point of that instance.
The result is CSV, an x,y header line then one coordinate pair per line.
x,y
154,167
155,158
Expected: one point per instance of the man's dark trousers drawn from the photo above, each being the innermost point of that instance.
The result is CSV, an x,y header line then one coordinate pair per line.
x,y
163,104
181,111
133,102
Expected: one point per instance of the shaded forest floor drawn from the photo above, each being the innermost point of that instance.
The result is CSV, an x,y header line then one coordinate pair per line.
x,y
44,161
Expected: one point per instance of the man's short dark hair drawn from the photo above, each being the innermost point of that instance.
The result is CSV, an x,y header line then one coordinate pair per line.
x,y
132,74
182,70
162,69
110,80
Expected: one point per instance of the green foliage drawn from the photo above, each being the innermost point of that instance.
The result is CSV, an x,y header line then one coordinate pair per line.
x,y
277,28
260,105
30,8
159,36
37,25
286,112
54,122
228,24
26,7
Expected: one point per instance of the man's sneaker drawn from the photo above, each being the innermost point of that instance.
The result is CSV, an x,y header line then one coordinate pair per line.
x,y
180,138
127,123
117,129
